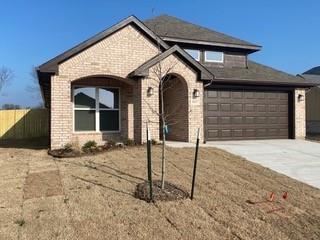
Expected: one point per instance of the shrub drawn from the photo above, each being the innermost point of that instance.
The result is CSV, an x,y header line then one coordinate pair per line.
x,y
111,143
89,146
68,147
129,142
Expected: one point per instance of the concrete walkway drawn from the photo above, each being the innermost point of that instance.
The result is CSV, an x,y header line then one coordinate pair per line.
x,y
297,159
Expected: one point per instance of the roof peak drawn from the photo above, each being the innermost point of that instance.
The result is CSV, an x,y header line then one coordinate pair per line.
x,y
168,26
313,71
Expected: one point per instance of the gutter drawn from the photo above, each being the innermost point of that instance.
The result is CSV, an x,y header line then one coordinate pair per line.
x,y
268,83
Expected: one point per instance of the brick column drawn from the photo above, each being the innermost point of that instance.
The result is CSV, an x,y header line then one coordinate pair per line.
x,y
61,112
300,114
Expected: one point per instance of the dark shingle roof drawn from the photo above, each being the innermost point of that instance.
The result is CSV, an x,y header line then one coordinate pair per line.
x,y
168,26
257,74
313,71
312,75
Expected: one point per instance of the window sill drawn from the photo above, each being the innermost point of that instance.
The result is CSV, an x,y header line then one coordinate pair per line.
x,y
94,132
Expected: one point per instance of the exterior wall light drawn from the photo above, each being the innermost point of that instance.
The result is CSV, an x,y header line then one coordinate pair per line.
x,y
150,91
300,98
196,93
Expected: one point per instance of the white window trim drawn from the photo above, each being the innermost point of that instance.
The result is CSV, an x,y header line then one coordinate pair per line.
x,y
198,58
96,109
215,61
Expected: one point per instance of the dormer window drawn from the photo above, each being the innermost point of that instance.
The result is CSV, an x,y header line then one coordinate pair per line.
x,y
212,56
194,53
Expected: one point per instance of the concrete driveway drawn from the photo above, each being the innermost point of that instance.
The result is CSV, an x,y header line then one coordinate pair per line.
x,y
297,159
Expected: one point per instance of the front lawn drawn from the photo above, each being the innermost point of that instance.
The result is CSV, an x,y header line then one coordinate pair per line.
x,y
92,197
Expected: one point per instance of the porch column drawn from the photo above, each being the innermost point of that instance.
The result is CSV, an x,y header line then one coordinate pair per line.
x,y
300,114
61,112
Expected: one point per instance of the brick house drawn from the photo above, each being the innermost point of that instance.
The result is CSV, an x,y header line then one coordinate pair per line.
x,y
106,87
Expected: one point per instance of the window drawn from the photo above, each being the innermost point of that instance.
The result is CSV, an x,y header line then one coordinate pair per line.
x,y
96,109
194,53
211,56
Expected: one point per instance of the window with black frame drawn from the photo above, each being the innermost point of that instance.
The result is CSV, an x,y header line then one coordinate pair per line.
x,y
96,109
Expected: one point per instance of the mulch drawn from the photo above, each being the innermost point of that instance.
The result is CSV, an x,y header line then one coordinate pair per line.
x,y
64,153
170,192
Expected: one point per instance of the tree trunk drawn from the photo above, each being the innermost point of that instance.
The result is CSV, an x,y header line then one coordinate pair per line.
x,y
163,159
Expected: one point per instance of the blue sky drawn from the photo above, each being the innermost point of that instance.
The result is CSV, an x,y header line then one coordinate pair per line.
x,y
34,31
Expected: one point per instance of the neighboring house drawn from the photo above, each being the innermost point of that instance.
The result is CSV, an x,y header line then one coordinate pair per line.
x,y
313,101
216,87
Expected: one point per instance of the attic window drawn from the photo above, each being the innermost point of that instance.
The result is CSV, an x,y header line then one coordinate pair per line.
x,y
194,53
212,56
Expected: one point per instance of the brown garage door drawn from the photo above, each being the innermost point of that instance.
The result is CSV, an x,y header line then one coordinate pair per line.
x,y
245,114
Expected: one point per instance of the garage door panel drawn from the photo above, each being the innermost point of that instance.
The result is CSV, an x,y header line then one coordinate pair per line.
x,y
249,107
226,133
225,94
246,114
212,107
212,94
238,133
261,132
236,95
212,120
225,107
213,134
237,107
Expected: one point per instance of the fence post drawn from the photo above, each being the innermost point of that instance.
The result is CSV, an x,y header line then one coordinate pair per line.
x,y
195,165
149,163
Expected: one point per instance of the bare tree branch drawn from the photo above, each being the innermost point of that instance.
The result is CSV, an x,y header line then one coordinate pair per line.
x,y
6,75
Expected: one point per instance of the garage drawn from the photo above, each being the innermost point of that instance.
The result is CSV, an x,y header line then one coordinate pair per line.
x,y
247,113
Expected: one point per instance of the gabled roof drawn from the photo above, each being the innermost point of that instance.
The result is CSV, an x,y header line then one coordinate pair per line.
x,y
258,74
52,65
143,70
313,71
312,75
174,29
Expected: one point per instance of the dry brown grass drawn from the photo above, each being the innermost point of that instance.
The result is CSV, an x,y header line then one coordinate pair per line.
x,y
97,198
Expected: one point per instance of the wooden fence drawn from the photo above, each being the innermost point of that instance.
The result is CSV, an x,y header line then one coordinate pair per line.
x,y
24,123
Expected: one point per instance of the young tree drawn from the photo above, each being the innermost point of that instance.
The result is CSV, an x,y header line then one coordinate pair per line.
x,y
161,76
6,75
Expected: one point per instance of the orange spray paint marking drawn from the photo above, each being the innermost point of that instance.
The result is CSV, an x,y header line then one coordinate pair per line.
x,y
271,197
285,195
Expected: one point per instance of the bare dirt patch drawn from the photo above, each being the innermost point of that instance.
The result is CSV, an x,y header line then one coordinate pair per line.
x,y
43,184
98,201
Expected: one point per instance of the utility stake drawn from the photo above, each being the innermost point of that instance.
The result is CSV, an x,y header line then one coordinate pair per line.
x,y
195,165
149,164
